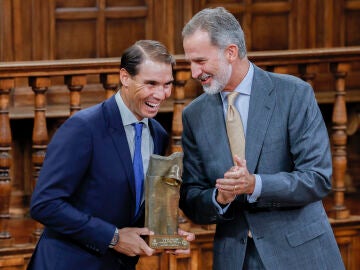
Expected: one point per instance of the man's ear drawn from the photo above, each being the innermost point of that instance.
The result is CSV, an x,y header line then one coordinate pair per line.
x,y
232,52
124,77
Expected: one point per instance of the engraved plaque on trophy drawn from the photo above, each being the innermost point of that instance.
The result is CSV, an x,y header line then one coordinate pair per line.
x,y
162,185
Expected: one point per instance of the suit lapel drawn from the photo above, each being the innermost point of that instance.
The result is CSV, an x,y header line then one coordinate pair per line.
x,y
262,104
155,137
213,122
118,135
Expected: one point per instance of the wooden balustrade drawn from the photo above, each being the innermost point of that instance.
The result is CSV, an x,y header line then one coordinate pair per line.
x,y
75,84
110,83
60,88
40,86
5,161
339,139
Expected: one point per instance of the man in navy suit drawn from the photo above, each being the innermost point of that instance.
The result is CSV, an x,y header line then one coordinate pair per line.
x,y
85,195
267,206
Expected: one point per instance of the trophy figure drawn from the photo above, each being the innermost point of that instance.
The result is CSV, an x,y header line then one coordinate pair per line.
x,y
163,180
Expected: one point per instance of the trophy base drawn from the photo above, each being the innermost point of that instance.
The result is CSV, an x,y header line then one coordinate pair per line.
x,y
168,242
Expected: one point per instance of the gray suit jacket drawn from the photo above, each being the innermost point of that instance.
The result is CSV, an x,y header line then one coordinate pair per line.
x,y
287,145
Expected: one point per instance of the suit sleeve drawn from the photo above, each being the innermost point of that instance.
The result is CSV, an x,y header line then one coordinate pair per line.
x,y
308,177
67,159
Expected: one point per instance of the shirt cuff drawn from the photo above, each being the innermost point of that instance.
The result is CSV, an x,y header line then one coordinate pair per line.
x,y
257,190
220,209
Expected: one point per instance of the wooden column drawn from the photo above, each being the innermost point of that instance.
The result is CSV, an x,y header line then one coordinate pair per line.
x,y
339,140
75,84
308,73
5,161
40,135
110,83
181,76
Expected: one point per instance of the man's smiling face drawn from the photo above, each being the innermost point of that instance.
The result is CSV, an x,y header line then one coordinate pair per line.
x,y
208,64
144,92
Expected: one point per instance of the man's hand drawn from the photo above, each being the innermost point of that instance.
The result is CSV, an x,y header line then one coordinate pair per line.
x,y
189,237
237,180
131,243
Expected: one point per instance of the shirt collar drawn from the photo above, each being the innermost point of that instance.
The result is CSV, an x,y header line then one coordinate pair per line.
x,y
128,118
245,85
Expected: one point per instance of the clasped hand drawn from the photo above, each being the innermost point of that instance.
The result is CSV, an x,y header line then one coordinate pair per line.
x,y
237,180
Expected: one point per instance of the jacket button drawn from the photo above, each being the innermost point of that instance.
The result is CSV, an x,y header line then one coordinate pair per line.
x,y
243,241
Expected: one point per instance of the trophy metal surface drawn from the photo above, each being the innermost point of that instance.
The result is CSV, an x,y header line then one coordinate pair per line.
x,y
163,180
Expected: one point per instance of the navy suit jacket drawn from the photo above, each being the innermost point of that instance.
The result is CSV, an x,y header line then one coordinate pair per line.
x,y
86,188
287,145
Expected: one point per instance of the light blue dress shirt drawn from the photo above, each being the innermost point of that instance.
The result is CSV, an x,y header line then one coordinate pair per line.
x,y
242,104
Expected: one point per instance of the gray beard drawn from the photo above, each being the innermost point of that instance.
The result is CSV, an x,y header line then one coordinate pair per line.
x,y
218,84
213,89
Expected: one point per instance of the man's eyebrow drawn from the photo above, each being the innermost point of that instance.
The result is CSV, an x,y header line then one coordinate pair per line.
x,y
150,82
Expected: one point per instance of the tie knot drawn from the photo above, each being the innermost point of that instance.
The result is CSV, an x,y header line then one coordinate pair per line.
x,y
138,128
231,97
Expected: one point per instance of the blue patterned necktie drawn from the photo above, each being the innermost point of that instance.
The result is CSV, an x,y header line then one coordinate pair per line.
x,y
138,166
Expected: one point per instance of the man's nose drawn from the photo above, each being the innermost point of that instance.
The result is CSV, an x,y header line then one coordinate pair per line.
x,y
195,70
162,92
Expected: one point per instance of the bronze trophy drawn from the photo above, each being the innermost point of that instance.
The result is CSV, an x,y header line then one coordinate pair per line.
x,y
163,180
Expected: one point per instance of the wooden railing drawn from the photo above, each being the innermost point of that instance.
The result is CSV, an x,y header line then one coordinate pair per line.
x,y
50,89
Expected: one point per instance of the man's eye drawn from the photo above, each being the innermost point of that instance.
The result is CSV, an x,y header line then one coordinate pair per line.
x,y
200,62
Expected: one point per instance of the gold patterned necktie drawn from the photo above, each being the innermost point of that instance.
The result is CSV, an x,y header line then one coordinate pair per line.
x,y
234,128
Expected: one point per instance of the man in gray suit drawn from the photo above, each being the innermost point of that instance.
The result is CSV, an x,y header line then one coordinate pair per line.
x,y
267,207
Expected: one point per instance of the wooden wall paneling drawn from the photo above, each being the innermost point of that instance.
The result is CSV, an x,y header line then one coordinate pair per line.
x,y
311,14
330,26
76,4
299,25
271,26
76,39
163,23
93,29
239,10
100,32
40,39
6,32
76,31
339,26
123,24
22,29
54,29
268,25
121,33
184,10
351,23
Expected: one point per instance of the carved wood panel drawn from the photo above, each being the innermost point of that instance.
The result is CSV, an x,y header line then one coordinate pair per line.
x,y
58,29
91,29
269,25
